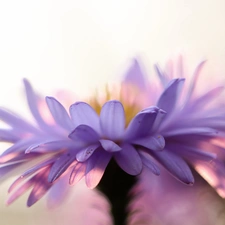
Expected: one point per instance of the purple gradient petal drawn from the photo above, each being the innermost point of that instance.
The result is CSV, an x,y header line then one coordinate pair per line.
x,y
129,160
86,153
96,167
175,165
8,136
141,124
112,120
77,173
84,135
156,142
162,77
82,113
32,100
158,120
41,186
147,160
135,76
110,146
59,113
60,166
169,97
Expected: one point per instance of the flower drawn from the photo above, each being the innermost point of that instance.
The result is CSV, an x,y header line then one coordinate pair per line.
x,y
190,125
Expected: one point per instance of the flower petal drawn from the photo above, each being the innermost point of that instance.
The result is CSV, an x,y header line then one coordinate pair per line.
x,y
82,113
168,98
112,120
86,153
141,124
156,142
148,162
84,134
129,160
110,146
96,166
175,165
60,166
59,113
77,173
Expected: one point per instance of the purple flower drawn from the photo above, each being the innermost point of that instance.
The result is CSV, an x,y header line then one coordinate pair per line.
x,y
77,145
190,125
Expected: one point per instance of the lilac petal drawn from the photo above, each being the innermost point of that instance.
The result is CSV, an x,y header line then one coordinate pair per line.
x,y
86,153
15,121
135,76
82,113
112,120
148,162
96,167
191,131
84,135
129,160
32,100
141,124
175,165
110,146
41,186
77,173
163,78
8,136
194,81
20,191
60,166
59,113
158,120
168,98
156,142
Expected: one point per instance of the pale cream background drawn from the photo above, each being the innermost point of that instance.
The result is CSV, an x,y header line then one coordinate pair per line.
x,y
79,45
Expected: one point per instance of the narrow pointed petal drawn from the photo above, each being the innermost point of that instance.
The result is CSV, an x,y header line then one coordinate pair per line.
x,y
86,153
147,160
156,142
41,186
112,120
96,166
82,113
163,78
77,173
169,97
59,113
135,76
32,100
141,124
84,134
60,166
175,165
110,146
158,120
129,160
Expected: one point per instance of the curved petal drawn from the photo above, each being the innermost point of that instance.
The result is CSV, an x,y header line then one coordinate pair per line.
x,y
110,146
60,166
112,120
156,142
82,113
86,153
129,160
96,166
77,173
168,98
59,113
141,124
175,165
84,134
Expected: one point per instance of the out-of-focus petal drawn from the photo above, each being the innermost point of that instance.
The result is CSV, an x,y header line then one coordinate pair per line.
x,y
59,113
169,97
175,165
82,113
129,160
112,120
78,172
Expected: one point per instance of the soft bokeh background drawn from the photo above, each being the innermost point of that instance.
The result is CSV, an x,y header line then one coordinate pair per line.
x,y
80,45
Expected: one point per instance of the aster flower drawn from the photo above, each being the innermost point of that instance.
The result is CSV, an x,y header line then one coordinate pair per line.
x,y
192,122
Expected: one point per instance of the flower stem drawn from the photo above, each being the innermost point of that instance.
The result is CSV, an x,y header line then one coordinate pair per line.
x,y
116,185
